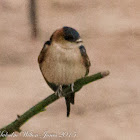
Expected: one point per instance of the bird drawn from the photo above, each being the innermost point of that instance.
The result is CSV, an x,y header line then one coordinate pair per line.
x,y
62,61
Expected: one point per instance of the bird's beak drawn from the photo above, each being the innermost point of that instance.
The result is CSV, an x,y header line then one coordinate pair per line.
x,y
79,40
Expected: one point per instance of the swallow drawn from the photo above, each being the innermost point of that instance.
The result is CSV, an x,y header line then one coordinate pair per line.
x,y
62,61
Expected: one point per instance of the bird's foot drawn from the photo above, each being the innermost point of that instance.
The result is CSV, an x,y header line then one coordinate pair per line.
x,y
59,91
72,87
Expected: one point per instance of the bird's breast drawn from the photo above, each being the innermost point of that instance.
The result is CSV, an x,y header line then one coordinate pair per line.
x,y
63,66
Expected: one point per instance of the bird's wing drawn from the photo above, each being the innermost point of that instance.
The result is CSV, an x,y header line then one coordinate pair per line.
x,y
43,52
85,58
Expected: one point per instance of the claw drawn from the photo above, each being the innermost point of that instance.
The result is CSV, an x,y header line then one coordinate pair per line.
x,y
72,87
59,91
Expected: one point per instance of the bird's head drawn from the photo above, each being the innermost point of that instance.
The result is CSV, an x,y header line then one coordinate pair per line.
x,y
66,37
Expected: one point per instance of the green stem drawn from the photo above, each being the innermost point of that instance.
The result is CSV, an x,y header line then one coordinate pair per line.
x,y
15,125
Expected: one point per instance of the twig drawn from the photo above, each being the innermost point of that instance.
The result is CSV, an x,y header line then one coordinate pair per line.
x,y
21,119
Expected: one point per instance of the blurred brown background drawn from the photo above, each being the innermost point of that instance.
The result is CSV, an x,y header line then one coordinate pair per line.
x,y
108,109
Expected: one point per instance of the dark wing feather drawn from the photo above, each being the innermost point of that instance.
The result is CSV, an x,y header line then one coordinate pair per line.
x,y
85,57
43,52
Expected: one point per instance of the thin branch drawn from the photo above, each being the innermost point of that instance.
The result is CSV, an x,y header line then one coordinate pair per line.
x,y
15,125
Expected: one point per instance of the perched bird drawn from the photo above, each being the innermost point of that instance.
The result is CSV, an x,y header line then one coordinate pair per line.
x,y
63,60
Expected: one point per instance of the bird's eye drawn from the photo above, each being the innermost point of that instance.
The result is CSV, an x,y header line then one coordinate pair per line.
x,y
69,38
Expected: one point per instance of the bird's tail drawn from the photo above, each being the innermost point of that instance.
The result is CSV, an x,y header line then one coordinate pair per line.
x,y
69,99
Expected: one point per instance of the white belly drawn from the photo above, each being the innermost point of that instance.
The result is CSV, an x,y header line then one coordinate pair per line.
x,y
63,67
